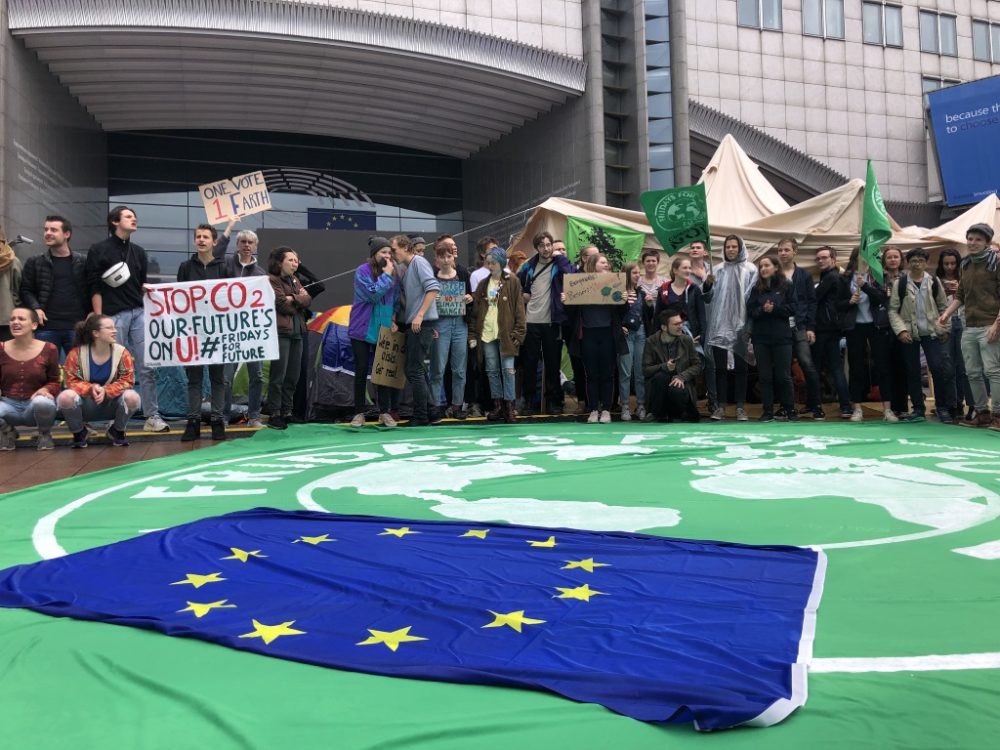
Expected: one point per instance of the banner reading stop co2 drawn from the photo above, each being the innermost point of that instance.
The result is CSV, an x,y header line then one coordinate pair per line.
x,y
210,322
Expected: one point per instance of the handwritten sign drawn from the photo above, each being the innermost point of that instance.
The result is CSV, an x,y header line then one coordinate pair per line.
x,y
230,199
390,357
594,288
451,300
210,322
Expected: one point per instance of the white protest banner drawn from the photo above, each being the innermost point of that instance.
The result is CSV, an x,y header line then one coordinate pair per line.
x,y
243,195
210,322
594,288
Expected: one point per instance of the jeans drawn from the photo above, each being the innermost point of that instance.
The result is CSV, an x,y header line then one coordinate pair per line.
x,y
774,366
982,359
500,371
418,352
451,345
217,378
255,391
37,412
548,338
963,391
598,349
284,375
61,337
77,410
826,353
803,353
861,340
720,357
941,369
629,363
132,335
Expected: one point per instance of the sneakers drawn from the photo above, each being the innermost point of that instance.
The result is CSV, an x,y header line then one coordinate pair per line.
x,y
156,424
627,414
218,429
594,416
44,442
605,417
649,417
981,419
476,411
782,414
640,413
818,414
8,438
80,438
456,412
857,415
255,424
718,414
116,436
766,417
741,414
277,422
192,430
995,422
913,416
792,416
890,416
945,416
434,416
358,420
556,409
385,419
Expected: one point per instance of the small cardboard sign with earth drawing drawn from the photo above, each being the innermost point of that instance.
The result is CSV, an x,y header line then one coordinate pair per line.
x,y
594,288
390,357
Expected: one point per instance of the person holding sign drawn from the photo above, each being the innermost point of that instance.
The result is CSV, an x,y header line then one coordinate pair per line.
x,y
375,290
498,323
99,378
291,303
116,274
451,345
204,265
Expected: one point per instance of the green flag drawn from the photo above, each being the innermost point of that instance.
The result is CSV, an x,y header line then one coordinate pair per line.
x,y
619,244
678,216
875,228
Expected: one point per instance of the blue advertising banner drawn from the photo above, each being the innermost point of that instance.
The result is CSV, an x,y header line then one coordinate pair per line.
x,y
966,121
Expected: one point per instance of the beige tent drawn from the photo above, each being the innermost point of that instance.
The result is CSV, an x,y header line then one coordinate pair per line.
x,y
737,191
952,233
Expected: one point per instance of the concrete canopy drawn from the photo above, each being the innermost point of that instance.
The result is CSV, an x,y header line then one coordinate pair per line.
x,y
292,67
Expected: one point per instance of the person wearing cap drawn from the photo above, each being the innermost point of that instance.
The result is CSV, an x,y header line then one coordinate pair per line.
x,y
375,291
979,291
115,272
418,243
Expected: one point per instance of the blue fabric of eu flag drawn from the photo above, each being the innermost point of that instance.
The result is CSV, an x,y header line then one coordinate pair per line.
x,y
654,628
333,218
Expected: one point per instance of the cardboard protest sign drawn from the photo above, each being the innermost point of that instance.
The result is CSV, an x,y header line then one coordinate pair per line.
x,y
210,322
594,288
390,357
451,299
243,195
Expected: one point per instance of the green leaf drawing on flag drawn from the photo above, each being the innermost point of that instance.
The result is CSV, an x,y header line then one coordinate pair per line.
x,y
678,216
875,227
620,245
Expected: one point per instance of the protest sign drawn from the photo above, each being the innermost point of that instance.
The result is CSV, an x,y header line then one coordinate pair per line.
x,y
390,357
594,288
451,299
210,322
243,195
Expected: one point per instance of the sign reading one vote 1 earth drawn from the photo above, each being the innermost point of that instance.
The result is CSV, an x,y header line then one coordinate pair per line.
x,y
966,121
231,199
210,322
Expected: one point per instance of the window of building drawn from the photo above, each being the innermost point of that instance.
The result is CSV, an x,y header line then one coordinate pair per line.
x,y
931,83
882,24
823,18
938,34
759,14
986,41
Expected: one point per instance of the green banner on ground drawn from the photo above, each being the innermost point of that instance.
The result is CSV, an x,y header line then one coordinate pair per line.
x,y
679,216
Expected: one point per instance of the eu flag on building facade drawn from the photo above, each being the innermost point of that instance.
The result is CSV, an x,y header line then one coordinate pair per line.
x,y
654,628
335,218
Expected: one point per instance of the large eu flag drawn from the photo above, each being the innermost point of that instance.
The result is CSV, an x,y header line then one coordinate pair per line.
x,y
654,628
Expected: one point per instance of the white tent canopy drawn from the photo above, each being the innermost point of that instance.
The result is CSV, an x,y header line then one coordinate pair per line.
x,y
737,191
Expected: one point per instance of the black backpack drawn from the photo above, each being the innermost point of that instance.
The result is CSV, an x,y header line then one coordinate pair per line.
x,y
935,286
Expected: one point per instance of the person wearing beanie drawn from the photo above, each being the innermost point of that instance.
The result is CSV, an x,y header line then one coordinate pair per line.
x,y
498,324
979,291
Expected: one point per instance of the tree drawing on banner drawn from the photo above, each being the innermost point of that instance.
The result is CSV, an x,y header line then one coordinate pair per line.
x,y
605,242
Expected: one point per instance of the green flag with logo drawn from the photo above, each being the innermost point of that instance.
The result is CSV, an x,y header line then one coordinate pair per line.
x,y
875,228
679,216
619,244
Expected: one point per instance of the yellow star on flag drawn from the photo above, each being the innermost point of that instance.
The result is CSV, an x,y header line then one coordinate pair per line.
x,y
271,632
198,580
588,564
200,610
477,533
314,539
242,555
583,593
513,619
550,542
391,639
400,532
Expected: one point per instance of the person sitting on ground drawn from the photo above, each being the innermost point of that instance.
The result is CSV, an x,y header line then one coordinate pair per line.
x,y
29,381
100,374
671,366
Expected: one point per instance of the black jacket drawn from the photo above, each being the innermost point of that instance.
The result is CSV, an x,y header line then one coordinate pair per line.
x,y
36,281
104,254
805,299
772,327
832,299
878,298
194,270
692,307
